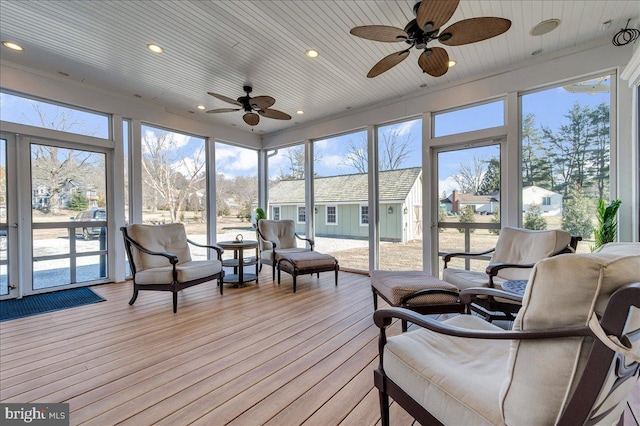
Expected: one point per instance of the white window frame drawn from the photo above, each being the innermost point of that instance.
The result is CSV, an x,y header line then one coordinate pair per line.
x,y
274,209
546,201
326,214
298,214
360,215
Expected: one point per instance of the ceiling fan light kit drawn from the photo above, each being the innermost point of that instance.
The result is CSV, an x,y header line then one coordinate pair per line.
x,y
431,15
260,104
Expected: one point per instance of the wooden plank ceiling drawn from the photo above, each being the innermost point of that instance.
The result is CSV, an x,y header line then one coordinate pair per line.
x,y
221,45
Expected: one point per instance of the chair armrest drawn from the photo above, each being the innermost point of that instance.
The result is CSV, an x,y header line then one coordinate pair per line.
x,y
494,268
215,247
468,295
173,259
446,257
273,243
384,317
309,240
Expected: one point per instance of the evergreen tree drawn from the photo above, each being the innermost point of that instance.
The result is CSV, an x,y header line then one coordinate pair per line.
x,y
533,218
466,216
495,219
598,155
78,202
577,213
491,179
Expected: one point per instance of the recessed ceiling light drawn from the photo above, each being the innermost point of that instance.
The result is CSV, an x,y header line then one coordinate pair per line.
x,y
200,106
536,52
423,85
155,48
300,112
135,95
544,27
13,46
452,63
311,53
64,74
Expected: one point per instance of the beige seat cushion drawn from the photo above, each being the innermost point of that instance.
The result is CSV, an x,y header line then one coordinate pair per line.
x,y
307,259
187,271
266,254
171,238
394,285
282,232
457,380
463,279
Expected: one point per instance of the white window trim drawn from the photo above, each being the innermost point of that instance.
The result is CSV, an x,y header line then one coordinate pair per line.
x,y
298,214
360,214
273,212
326,215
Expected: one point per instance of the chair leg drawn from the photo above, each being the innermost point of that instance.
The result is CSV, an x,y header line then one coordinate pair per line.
x,y
336,277
134,297
273,271
294,282
375,300
260,267
175,302
221,284
384,408
404,325
278,276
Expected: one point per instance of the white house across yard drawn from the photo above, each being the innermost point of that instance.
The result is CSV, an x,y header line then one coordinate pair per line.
x,y
550,202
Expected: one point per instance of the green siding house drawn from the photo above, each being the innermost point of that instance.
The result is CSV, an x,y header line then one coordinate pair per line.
x,y
341,208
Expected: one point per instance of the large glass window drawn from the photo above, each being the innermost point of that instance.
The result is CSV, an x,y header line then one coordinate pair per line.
x,y
37,113
566,156
400,195
287,187
476,117
69,213
174,182
236,191
469,203
340,188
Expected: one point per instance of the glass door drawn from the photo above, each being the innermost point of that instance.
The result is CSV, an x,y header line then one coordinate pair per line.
x,y
468,202
8,227
68,188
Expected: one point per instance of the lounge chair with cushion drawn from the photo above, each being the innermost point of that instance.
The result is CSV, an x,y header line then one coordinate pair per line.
x,y
572,356
277,238
516,252
160,259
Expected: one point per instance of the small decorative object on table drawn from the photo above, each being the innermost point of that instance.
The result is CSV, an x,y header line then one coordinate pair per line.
x,y
239,238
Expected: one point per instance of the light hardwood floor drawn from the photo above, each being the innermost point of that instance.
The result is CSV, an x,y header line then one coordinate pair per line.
x,y
257,355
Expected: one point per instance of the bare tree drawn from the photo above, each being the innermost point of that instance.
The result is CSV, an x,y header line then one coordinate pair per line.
x,y
470,175
392,152
169,174
56,168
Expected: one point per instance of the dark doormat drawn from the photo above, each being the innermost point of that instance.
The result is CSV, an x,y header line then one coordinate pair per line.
x,y
48,302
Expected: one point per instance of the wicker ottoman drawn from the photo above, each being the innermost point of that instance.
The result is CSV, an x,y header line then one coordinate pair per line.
x,y
415,290
309,262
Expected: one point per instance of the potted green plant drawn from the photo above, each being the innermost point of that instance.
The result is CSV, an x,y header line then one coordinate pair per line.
x,y
607,229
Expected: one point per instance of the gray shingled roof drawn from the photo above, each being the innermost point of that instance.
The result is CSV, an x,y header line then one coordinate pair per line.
x,y
394,185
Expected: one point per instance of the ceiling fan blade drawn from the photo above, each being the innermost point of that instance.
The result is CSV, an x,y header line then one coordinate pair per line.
x,y
251,118
262,102
438,12
387,63
274,113
435,64
224,98
216,111
382,33
474,29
